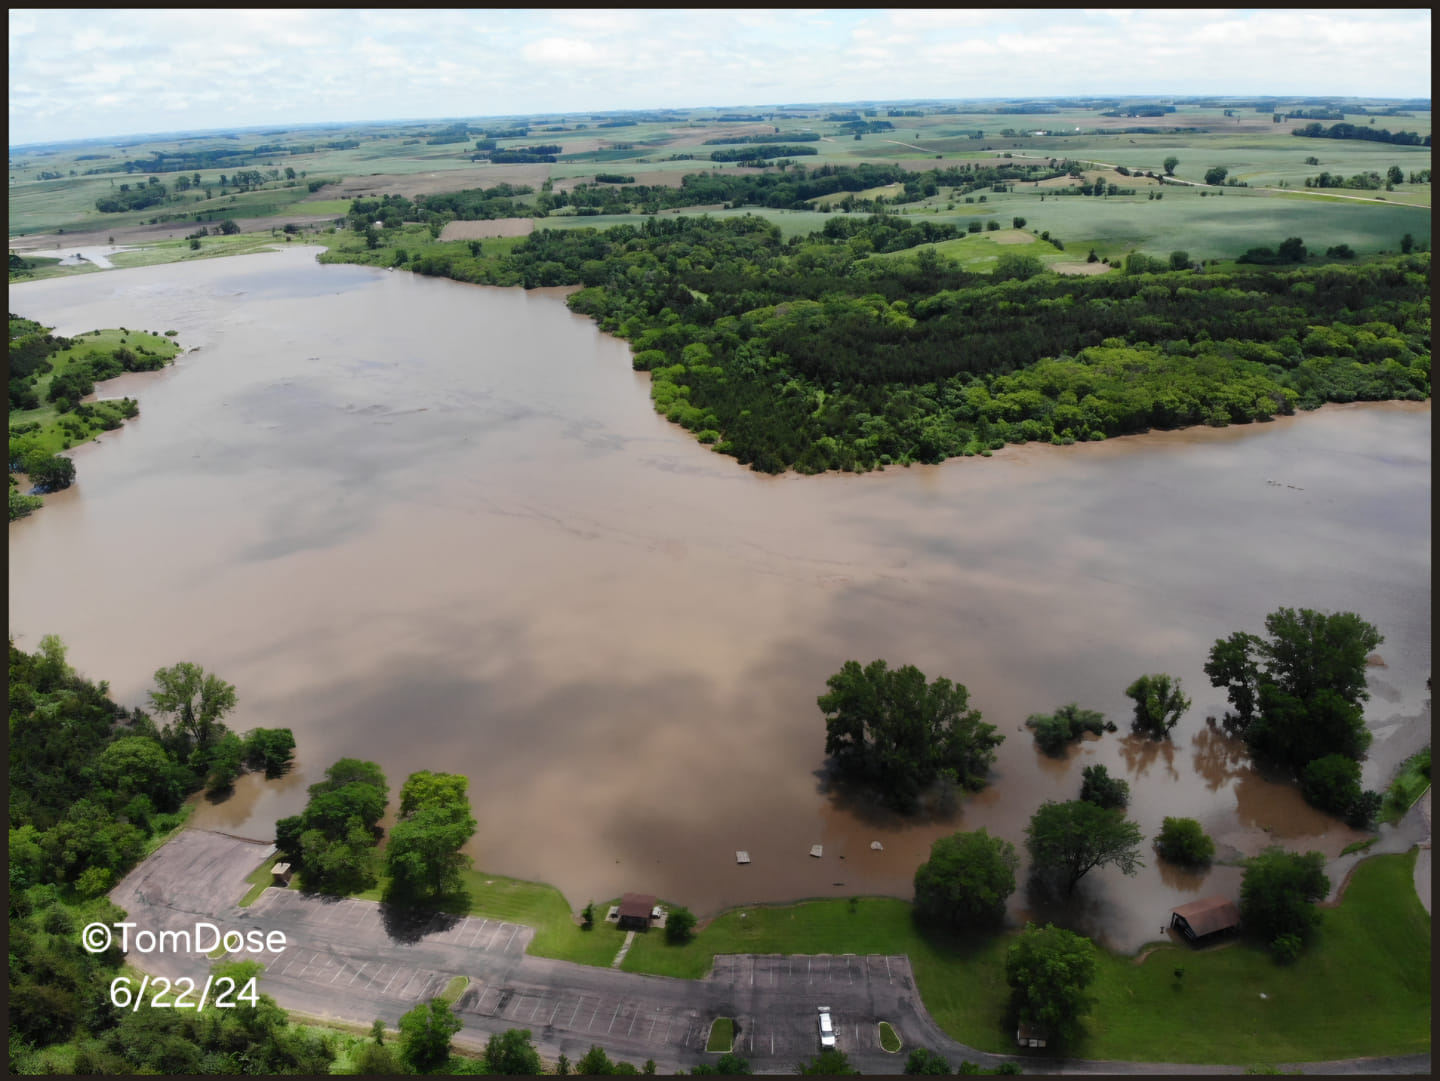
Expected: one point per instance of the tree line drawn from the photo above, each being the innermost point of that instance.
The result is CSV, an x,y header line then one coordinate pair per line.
x,y
1357,131
808,354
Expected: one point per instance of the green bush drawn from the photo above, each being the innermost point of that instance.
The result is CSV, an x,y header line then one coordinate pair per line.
x,y
1099,788
1181,840
679,925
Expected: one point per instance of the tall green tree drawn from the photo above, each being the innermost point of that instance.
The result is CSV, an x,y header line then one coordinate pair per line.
x,y
425,1033
512,1052
332,841
197,700
1233,665
1170,164
1071,839
1159,703
1049,969
1278,892
422,856
966,880
1298,694
897,733
1099,788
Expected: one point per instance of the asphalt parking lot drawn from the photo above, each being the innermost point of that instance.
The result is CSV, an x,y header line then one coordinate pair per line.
x,y
358,960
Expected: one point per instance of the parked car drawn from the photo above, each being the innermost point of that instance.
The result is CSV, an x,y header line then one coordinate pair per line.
x,y
827,1029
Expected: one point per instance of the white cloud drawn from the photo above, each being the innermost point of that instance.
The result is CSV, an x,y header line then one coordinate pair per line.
x,y
107,72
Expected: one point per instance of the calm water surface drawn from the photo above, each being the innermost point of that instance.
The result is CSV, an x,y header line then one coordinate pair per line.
x,y
440,526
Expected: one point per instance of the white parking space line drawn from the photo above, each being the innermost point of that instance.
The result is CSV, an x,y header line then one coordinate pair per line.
x,y
571,1023
291,961
613,1016
511,938
339,971
391,980
357,973
478,931
592,1015
536,1008
406,988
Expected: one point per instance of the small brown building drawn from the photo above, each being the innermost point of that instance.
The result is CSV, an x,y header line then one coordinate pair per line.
x,y
280,873
1029,1034
636,911
1207,916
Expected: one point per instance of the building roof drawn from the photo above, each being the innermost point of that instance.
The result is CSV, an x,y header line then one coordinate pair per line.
x,y
636,906
1209,914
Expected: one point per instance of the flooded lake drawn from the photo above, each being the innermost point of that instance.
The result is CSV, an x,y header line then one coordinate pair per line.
x,y
441,527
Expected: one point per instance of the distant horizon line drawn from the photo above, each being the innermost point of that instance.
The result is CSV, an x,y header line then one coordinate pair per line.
x,y
280,127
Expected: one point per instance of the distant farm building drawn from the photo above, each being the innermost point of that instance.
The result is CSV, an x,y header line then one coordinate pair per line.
x,y
636,911
1207,916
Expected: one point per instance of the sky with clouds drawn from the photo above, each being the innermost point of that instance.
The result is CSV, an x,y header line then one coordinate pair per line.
x,y
92,73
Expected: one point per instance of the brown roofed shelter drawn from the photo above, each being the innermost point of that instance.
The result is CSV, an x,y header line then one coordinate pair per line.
x,y
635,910
1205,917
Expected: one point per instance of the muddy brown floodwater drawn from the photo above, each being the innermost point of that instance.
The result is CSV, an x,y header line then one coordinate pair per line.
x,y
440,526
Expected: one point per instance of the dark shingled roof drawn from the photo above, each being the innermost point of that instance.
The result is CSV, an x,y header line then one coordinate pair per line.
x,y
636,906
1209,914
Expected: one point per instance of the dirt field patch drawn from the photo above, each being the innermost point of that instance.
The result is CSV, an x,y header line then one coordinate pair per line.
x,y
1012,236
1079,268
447,180
486,230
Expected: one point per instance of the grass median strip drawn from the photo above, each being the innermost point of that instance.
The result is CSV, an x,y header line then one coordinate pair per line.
x,y
889,1040
722,1035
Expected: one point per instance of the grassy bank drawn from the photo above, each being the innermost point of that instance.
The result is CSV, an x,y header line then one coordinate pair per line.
x,y
1407,787
1374,950
1375,946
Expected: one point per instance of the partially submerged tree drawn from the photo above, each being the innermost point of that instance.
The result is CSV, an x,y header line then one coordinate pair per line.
x,y
1159,703
197,700
897,733
1181,840
1298,695
1099,788
1071,839
1054,731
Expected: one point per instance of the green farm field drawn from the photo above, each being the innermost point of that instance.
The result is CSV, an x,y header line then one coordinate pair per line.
x,y
1254,149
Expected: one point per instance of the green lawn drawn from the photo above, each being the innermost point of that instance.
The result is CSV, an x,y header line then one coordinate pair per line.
x,y
722,1035
889,1039
1376,947
539,906
1408,786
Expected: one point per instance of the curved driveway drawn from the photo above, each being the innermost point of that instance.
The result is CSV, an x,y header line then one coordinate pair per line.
x,y
358,960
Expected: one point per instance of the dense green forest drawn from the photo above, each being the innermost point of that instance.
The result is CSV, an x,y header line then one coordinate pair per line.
x,y
810,355
93,787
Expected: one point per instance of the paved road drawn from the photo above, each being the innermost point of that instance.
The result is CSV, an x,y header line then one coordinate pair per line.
x,y
357,960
